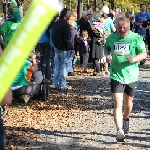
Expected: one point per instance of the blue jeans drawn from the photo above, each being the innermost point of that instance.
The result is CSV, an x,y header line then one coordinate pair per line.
x,y
61,68
71,63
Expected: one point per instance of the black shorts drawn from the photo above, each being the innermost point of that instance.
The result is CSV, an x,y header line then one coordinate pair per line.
x,y
117,87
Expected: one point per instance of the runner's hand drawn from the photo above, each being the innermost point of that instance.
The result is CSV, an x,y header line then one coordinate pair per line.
x,y
131,59
109,58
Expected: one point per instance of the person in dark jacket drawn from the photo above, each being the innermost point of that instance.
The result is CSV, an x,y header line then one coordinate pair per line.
x,y
61,37
43,47
84,25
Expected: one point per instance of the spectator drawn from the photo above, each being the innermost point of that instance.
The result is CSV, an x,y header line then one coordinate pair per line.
x,y
12,12
84,50
10,26
43,47
85,25
73,57
52,51
108,29
97,52
61,37
89,17
20,86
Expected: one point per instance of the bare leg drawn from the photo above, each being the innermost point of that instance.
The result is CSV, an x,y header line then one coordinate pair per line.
x,y
118,103
8,98
128,104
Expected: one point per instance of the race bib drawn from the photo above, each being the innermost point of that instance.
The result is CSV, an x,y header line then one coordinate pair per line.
x,y
121,48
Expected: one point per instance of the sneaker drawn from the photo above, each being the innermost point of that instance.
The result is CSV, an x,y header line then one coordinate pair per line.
x,y
120,136
107,73
94,73
126,126
54,87
67,87
25,98
142,62
71,74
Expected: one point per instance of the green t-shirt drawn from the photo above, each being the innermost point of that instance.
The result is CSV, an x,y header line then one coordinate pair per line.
x,y
21,78
121,69
8,28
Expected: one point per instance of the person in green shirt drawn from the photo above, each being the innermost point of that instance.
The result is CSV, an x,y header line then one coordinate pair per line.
x,y
9,27
20,86
127,49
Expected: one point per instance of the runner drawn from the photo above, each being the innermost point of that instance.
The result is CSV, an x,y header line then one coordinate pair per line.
x,y
126,48
139,19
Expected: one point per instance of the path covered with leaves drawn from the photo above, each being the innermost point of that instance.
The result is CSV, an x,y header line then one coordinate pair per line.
x,y
80,119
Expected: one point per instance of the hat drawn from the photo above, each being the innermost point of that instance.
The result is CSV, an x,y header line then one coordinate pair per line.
x,y
14,2
84,13
105,9
89,13
16,16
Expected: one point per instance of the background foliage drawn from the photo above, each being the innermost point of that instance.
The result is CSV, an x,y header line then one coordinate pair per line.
x,y
125,5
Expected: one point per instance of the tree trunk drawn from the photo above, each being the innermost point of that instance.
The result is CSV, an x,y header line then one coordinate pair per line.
x,y
79,9
112,4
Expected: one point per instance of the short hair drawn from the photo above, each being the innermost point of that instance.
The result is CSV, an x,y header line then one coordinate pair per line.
x,y
84,13
63,13
124,19
89,12
142,5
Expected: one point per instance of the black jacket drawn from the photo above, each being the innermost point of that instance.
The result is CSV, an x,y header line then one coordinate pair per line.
x,y
85,25
61,35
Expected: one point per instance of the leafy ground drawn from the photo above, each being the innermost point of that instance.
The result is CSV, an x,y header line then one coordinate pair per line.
x,y
75,115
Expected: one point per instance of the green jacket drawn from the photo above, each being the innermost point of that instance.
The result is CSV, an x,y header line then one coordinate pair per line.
x,y
8,29
10,26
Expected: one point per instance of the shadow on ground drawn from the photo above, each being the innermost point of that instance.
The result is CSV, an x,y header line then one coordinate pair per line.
x,y
35,140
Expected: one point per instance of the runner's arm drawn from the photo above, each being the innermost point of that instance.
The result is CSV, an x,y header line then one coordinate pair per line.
x,y
107,50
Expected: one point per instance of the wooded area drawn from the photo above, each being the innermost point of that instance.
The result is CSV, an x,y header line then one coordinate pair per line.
x,y
125,5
